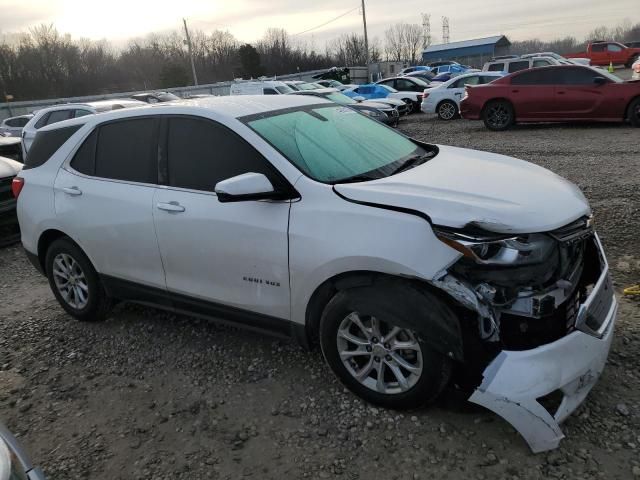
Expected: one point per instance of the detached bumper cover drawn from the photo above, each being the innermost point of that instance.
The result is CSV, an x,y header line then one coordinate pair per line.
x,y
515,380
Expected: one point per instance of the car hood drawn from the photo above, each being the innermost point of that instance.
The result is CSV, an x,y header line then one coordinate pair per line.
x,y
9,168
459,187
375,104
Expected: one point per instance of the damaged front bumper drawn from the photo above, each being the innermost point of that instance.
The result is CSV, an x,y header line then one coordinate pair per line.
x,y
515,381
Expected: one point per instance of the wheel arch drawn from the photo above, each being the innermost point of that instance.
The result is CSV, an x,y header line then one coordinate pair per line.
x,y
627,109
450,100
498,99
49,236
452,345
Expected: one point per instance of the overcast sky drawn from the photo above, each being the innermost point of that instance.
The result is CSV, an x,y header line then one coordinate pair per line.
x,y
118,20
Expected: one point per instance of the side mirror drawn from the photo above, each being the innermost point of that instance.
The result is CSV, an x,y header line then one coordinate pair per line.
x,y
599,80
248,186
359,99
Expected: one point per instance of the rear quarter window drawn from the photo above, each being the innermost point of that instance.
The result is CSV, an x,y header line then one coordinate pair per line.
x,y
45,144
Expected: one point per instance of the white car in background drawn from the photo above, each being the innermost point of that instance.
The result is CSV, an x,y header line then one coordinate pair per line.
x,y
445,98
12,127
636,70
58,113
261,87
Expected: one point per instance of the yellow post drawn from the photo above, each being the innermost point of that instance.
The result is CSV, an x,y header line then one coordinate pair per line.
x,y
610,69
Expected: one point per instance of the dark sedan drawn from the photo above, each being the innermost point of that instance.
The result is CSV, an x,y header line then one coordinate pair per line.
x,y
406,83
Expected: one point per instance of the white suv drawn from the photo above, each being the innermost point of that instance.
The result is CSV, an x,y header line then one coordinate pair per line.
x,y
59,113
412,265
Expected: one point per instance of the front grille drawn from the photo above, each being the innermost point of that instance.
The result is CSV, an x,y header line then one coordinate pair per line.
x,y
575,231
519,332
5,189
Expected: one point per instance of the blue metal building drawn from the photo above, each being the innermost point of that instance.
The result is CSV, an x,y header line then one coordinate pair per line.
x,y
468,52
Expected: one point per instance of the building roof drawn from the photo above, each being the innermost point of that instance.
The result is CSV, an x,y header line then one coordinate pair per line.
x,y
494,40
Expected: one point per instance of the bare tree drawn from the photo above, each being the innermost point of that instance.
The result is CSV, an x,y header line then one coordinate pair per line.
x,y
404,41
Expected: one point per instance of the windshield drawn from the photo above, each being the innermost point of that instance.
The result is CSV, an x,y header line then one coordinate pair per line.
x,y
306,86
284,89
340,98
392,90
334,144
604,73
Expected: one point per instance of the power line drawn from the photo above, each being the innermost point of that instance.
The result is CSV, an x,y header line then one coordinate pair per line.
x,y
327,23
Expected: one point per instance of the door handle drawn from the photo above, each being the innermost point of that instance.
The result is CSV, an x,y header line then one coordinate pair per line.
x,y
561,93
170,207
515,91
75,191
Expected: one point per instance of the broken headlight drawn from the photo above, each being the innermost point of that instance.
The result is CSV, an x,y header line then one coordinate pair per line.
x,y
499,250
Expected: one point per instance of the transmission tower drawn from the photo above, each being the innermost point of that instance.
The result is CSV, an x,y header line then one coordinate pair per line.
x,y
426,30
445,29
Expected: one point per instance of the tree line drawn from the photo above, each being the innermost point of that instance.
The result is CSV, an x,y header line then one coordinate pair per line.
x,y
43,63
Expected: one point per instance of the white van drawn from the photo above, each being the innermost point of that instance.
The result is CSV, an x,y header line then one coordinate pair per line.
x,y
270,87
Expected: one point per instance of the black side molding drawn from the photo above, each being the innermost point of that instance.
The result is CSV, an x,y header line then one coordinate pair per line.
x,y
183,304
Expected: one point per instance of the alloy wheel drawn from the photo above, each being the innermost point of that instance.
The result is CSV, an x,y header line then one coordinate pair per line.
x,y
498,116
70,281
383,357
447,111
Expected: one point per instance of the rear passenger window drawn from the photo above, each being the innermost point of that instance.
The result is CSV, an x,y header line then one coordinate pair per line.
x,y
517,66
46,144
201,153
496,67
270,91
546,76
59,116
84,159
128,150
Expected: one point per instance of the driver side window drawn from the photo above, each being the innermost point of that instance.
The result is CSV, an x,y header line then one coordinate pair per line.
x,y
201,153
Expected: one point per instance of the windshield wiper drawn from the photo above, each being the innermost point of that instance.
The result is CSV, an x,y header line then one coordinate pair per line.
x,y
412,162
357,178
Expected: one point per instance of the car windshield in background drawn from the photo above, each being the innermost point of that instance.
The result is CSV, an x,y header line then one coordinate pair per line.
x,y
285,89
420,82
602,72
306,86
340,98
167,97
391,89
334,144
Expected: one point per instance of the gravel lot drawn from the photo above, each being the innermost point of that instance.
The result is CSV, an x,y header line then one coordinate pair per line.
x,y
151,395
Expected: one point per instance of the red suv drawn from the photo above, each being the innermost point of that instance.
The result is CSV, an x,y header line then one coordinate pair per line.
x,y
553,94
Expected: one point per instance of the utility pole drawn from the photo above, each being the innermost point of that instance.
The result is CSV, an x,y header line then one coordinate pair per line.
x,y
366,40
193,65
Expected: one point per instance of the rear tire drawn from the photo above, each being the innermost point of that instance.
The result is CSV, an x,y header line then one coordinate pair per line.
x,y
633,112
366,321
75,283
498,115
447,110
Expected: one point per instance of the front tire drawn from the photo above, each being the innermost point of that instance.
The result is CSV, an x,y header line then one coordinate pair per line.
x,y
633,113
75,283
447,110
365,341
498,115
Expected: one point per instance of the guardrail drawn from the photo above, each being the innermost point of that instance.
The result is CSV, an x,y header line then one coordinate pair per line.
x,y
10,109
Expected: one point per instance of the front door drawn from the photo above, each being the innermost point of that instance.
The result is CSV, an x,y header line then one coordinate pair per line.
x,y
579,97
231,255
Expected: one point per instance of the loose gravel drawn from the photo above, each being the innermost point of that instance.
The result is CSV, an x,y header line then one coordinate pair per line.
x,y
151,395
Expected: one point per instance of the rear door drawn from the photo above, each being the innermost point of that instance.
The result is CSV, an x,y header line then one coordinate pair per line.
x,y
456,89
103,198
599,54
532,93
232,255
